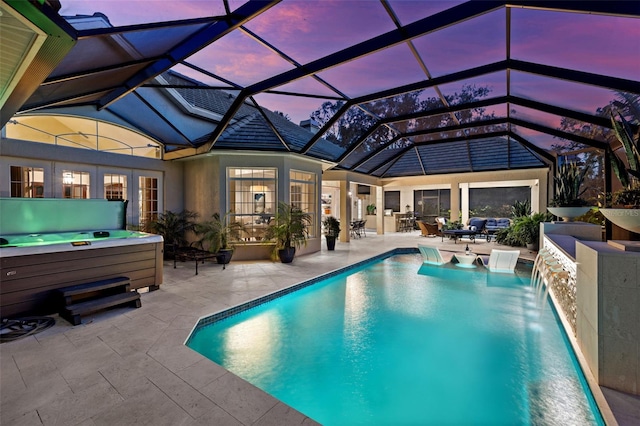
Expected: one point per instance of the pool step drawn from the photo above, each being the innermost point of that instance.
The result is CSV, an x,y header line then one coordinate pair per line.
x,y
83,299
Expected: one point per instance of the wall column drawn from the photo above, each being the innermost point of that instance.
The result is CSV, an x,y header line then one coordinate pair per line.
x,y
535,197
345,211
379,210
464,202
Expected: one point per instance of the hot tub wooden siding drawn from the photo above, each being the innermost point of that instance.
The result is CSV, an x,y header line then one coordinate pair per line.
x,y
28,283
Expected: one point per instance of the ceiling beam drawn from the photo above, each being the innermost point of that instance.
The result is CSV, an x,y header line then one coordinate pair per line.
x,y
391,38
428,132
558,133
191,45
418,115
437,142
613,83
609,7
545,155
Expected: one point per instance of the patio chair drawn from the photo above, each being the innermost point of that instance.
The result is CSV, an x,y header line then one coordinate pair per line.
x,y
428,229
433,256
501,260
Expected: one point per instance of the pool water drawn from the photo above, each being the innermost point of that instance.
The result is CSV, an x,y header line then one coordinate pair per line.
x,y
399,342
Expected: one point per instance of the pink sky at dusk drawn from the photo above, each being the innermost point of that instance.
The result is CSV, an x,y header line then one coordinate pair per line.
x,y
308,30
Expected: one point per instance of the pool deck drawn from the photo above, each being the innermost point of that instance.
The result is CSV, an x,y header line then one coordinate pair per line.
x,y
129,366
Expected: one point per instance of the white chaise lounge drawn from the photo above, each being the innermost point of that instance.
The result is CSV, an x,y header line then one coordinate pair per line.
x,y
433,256
501,260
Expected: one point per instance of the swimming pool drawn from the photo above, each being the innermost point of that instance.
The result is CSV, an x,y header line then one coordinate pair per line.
x,y
398,342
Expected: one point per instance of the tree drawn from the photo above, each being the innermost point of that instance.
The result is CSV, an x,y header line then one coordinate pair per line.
x,y
628,105
358,119
282,114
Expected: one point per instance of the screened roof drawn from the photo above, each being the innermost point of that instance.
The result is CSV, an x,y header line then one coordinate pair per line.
x,y
397,88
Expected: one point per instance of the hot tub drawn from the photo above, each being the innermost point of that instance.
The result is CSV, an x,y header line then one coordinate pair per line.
x,y
34,264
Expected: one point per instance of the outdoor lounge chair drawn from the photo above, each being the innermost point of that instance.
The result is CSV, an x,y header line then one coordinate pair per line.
x,y
433,256
428,229
501,260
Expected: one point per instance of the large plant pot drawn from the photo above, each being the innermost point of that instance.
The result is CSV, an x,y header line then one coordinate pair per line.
x,y
568,213
286,254
223,256
628,219
331,242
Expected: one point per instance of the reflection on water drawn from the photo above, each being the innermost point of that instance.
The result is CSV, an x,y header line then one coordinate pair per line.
x,y
387,345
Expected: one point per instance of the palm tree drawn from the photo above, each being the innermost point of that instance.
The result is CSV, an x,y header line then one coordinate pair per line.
x,y
174,228
289,230
220,232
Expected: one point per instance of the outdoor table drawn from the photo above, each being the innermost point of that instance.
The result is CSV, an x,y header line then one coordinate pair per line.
x,y
466,260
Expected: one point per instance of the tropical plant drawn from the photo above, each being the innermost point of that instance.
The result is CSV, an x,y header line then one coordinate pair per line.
x,y
452,225
220,232
629,175
289,228
521,208
331,226
568,180
371,209
173,227
525,230
507,237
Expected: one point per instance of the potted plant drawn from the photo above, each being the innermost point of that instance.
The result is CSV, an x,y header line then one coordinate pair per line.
x,y
567,202
289,231
526,229
221,233
371,209
174,228
332,230
628,198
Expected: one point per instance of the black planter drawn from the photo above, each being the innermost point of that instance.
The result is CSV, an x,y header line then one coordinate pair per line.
x,y
331,242
223,257
286,254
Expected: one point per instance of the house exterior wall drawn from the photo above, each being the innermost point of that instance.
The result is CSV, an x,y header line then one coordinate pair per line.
x,y
205,188
53,159
537,179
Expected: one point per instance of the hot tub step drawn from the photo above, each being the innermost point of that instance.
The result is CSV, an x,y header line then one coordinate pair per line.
x,y
71,294
73,313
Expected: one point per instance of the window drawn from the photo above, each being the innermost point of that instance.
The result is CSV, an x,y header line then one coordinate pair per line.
x,y
496,202
147,200
303,195
392,200
27,182
252,199
432,203
115,187
75,184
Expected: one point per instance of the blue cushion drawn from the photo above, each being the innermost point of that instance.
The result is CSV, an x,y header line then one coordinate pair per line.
x,y
478,223
503,222
492,222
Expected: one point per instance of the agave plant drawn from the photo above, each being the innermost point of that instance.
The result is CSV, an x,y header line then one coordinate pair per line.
x,y
569,179
521,208
629,176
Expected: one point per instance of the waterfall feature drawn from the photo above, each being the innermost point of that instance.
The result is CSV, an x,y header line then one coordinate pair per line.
x,y
554,272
